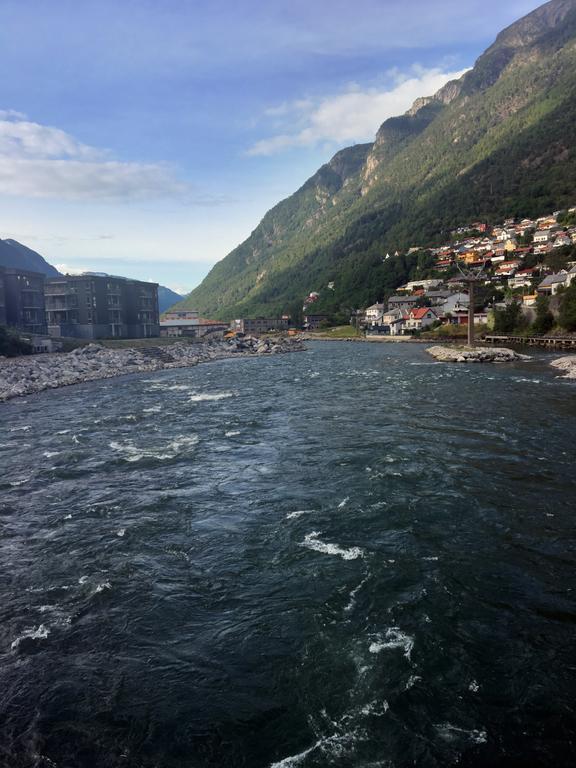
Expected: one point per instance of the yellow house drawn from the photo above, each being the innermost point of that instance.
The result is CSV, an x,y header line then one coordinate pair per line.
x,y
510,245
468,257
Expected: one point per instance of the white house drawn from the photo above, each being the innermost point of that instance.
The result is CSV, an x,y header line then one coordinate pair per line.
x,y
542,236
420,318
373,314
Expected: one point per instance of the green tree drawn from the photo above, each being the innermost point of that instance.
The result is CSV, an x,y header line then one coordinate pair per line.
x,y
544,318
508,319
567,316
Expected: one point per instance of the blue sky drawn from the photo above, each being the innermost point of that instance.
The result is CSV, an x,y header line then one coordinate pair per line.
x,y
149,137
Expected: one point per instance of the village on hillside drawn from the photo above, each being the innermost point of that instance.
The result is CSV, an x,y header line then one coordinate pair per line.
x,y
513,261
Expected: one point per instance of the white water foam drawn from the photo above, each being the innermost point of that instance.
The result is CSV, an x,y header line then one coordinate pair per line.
x,y
376,708
311,542
232,433
121,532
352,597
50,454
167,387
153,409
294,760
63,432
331,747
412,680
452,733
37,633
297,513
16,483
344,502
393,639
20,429
202,397
178,446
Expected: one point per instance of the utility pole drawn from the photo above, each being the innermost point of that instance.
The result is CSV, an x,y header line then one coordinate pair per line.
x,y
471,282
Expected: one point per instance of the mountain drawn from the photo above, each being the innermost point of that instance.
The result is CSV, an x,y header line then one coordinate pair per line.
x,y
14,254
167,298
498,142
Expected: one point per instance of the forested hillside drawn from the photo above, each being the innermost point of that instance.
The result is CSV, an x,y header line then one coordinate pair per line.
x,y
498,142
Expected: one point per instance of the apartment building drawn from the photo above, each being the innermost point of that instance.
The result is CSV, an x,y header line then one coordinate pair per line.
x,y
92,306
22,300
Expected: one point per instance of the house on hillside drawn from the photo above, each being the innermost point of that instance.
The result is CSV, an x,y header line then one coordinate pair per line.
x,y
373,314
522,278
420,318
561,240
542,236
453,303
506,269
398,324
402,302
552,283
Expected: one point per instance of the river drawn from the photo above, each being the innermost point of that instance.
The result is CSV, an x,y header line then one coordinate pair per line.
x,y
353,556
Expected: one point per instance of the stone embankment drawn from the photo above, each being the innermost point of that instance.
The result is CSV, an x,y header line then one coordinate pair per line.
x,y
475,355
566,364
28,375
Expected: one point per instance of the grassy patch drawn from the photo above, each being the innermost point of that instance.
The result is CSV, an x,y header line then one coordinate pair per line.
x,y
339,332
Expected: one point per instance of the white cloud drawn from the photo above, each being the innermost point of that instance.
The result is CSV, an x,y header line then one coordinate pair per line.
x,y
66,269
350,116
39,161
182,290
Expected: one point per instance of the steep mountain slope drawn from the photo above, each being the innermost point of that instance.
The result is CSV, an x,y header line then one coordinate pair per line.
x,y
14,254
499,141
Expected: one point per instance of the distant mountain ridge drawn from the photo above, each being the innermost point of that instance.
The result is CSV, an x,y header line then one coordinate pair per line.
x,y
14,254
500,141
167,298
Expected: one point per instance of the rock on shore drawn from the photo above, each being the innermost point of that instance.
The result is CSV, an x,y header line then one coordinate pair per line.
x,y
27,375
475,355
566,364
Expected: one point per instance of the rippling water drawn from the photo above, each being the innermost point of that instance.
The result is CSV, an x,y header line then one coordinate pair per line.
x,y
354,556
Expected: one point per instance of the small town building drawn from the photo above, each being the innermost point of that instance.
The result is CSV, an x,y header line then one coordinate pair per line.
x,y
420,318
96,306
193,328
314,322
22,300
252,326
402,302
552,283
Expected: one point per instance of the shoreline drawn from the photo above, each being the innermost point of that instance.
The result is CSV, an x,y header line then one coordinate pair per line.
x,y
30,375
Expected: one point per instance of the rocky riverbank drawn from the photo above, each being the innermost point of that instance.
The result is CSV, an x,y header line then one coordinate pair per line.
x,y
475,355
566,364
28,375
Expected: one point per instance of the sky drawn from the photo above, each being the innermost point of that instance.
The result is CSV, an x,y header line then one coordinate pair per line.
x,y
148,138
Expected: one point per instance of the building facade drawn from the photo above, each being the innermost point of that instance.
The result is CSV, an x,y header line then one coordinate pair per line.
x,y
193,328
22,300
3,319
256,325
101,307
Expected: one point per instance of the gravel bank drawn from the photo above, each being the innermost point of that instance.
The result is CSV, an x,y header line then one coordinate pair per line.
x,y
28,375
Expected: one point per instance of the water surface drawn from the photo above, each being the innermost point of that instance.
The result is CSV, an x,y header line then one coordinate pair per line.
x,y
353,556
